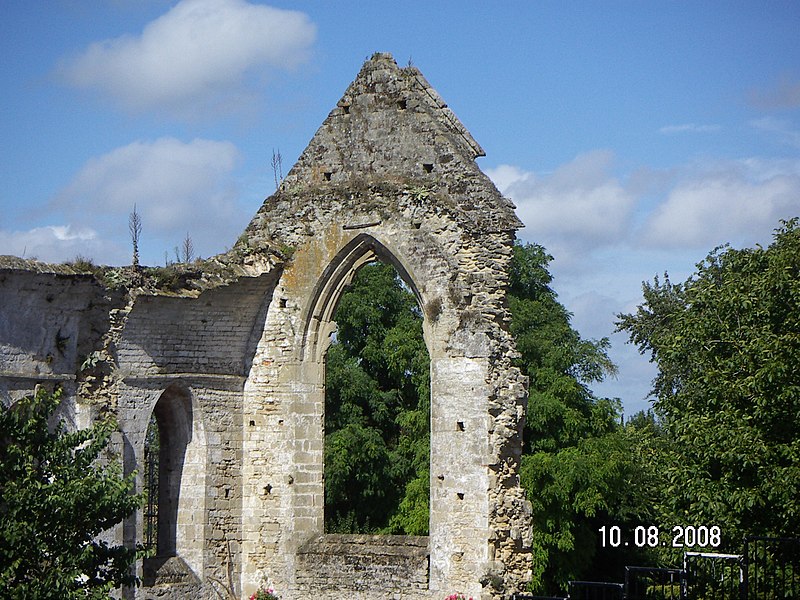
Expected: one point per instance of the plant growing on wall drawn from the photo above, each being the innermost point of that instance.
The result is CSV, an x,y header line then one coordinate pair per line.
x,y
56,497
135,229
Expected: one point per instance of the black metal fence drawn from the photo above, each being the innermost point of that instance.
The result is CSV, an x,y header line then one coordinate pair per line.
x,y
595,590
584,590
713,576
772,568
650,583
768,569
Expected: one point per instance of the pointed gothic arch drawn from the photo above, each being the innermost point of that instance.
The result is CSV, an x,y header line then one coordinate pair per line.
x,y
175,512
336,276
319,326
392,179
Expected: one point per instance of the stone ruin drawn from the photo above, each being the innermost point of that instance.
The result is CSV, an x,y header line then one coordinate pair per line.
x,y
229,360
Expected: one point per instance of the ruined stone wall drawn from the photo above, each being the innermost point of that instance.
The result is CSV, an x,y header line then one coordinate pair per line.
x,y
477,397
201,343
209,334
49,323
359,565
209,514
391,175
145,343
236,364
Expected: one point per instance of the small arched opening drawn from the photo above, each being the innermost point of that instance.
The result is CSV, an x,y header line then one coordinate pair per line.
x,y
168,435
174,476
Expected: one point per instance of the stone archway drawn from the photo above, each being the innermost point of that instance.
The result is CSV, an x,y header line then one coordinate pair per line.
x,y
357,254
286,388
389,175
181,469
318,318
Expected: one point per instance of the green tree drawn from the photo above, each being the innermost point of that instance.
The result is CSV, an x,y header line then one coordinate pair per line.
x,y
55,499
727,346
581,469
377,409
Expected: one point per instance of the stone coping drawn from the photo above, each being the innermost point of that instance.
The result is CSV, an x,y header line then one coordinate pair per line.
x,y
367,545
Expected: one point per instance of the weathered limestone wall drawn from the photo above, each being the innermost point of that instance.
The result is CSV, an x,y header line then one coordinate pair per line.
x,y
200,346
49,324
209,334
233,368
147,346
470,452
209,511
356,565
390,175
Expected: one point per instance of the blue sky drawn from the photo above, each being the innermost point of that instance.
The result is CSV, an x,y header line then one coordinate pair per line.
x,y
634,137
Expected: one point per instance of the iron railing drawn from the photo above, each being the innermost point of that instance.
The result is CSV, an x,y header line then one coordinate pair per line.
x,y
651,583
151,491
713,576
768,569
772,568
596,590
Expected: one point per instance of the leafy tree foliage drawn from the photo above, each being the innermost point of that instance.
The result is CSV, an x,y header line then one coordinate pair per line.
x,y
55,499
581,468
377,410
727,346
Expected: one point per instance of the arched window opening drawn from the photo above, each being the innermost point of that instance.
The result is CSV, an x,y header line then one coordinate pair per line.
x,y
377,409
168,435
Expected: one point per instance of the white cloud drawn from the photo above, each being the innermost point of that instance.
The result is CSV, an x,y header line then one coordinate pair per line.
x,y
195,57
589,221
167,179
738,201
55,243
689,128
579,206
177,188
505,176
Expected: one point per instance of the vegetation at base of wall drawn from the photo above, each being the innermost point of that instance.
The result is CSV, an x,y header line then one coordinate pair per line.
x,y
56,497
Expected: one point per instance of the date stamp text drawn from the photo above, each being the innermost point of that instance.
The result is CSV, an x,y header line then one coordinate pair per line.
x,y
681,536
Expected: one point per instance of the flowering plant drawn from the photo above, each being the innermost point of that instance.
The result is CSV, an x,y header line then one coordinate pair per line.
x,y
262,594
458,596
